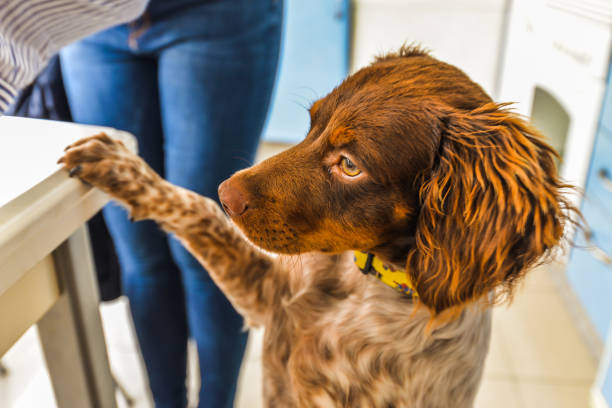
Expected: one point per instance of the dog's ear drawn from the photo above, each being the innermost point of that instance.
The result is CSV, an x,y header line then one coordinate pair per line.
x,y
490,208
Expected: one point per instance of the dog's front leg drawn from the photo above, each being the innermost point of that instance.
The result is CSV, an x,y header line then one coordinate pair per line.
x,y
251,279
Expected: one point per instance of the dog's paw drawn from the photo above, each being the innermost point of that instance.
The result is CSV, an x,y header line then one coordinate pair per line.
x,y
96,160
108,165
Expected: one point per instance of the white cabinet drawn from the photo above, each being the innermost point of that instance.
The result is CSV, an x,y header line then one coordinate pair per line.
x,y
555,65
465,33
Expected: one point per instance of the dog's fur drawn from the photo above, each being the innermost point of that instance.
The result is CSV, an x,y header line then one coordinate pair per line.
x,y
458,191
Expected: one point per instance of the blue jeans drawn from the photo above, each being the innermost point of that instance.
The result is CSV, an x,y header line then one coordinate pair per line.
x,y
192,80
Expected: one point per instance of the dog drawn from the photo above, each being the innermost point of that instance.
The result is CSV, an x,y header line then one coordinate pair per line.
x,y
413,204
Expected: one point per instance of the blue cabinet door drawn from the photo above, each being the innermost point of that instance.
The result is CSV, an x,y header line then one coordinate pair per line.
x,y
603,382
314,59
606,387
590,267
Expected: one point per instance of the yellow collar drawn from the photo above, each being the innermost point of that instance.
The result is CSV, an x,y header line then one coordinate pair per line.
x,y
398,280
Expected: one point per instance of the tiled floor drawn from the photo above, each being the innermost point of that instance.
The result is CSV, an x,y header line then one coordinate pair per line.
x,y
537,357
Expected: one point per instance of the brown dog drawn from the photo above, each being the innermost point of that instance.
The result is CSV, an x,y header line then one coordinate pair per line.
x,y
407,160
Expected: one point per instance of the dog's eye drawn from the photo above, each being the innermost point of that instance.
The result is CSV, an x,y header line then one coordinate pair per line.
x,y
349,168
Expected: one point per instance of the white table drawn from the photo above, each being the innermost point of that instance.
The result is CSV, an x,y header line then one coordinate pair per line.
x,y
46,270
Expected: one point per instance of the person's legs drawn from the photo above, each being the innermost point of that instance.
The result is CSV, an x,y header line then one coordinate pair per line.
x,y
112,87
215,94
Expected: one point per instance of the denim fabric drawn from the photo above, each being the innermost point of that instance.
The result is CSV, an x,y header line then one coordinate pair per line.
x,y
192,80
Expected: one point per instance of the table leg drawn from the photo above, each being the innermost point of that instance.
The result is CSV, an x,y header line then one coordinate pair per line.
x,y
71,332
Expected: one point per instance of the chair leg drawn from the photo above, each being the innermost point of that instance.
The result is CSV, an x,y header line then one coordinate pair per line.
x,y
129,400
3,370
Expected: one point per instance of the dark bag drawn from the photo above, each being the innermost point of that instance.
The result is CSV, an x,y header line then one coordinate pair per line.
x,y
46,99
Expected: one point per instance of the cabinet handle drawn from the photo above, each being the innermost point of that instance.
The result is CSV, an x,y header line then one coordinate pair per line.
x,y
598,253
339,10
605,179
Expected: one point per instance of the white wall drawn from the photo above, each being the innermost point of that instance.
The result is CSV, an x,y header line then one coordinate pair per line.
x,y
465,33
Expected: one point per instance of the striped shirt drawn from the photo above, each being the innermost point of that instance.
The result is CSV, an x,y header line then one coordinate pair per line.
x,y
32,31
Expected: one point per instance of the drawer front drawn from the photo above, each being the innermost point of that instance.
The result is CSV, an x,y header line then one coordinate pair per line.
x,y
598,189
592,283
606,109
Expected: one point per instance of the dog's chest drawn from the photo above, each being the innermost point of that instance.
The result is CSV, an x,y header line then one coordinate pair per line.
x,y
345,339
337,339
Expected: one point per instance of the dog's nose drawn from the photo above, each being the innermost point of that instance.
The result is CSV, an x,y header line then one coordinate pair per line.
x,y
232,199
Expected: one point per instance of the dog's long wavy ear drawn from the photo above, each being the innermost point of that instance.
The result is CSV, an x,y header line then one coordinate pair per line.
x,y
490,209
